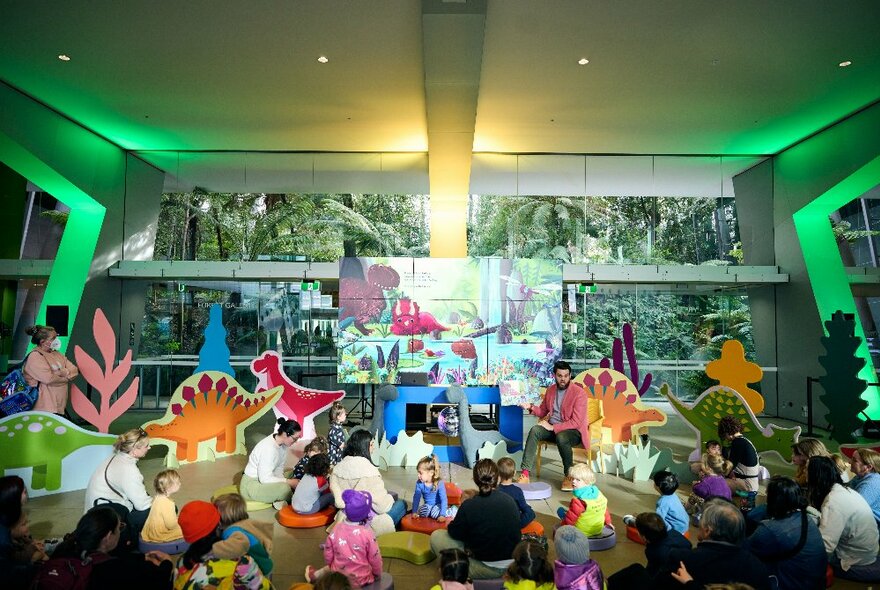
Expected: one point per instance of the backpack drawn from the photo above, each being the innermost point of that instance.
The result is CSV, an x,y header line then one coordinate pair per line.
x,y
67,573
15,393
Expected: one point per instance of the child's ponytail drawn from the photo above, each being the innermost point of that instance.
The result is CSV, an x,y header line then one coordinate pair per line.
x,y
432,464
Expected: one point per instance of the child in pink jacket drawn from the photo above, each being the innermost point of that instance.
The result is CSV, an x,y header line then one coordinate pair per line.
x,y
351,548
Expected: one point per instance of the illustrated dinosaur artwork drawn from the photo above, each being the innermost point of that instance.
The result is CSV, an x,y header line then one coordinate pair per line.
x,y
297,402
362,301
42,441
719,401
408,320
621,403
209,406
734,371
472,440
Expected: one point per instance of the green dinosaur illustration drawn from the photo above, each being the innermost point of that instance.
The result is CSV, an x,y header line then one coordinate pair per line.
x,y
42,440
719,401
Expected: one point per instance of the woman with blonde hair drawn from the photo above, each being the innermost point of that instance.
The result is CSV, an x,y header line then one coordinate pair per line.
x,y
49,370
865,464
119,482
807,448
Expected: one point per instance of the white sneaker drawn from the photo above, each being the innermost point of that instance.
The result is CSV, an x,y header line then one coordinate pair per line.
x,y
629,520
279,504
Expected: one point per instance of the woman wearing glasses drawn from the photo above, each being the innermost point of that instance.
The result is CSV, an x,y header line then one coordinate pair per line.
x,y
117,480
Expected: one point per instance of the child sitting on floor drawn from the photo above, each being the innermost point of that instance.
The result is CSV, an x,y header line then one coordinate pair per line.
x,y
454,568
712,483
713,447
351,548
242,536
506,473
313,493
669,506
316,446
337,436
530,570
161,525
573,569
588,510
431,489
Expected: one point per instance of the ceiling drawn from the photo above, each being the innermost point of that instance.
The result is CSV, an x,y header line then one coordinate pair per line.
x,y
685,77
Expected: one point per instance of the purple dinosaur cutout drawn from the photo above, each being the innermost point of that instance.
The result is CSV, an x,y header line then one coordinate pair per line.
x,y
617,355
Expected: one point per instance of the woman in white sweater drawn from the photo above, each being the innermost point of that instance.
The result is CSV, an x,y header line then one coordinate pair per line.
x,y
263,479
847,523
117,480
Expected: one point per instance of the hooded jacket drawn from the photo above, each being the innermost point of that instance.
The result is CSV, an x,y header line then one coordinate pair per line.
x,y
247,537
587,511
578,576
358,473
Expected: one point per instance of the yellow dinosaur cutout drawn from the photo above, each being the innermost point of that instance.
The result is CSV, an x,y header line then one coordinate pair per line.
x,y
734,371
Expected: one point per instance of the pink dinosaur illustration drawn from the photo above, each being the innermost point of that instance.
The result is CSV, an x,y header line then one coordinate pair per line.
x,y
297,402
621,404
407,320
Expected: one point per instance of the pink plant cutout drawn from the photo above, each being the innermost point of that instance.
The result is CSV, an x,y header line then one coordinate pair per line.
x,y
106,381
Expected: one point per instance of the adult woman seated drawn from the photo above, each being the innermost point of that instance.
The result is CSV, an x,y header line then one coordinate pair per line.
x,y
865,465
789,542
96,536
356,472
807,448
743,455
118,481
847,523
263,479
199,568
487,525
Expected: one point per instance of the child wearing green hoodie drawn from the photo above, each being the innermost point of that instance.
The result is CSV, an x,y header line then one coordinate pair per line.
x,y
588,510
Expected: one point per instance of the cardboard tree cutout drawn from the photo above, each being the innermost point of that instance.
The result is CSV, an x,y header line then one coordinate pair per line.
x,y
60,455
716,402
297,402
841,383
214,354
206,418
734,371
621,403
106,381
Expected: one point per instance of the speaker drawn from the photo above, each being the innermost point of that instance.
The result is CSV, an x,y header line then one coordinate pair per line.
x,y
58,317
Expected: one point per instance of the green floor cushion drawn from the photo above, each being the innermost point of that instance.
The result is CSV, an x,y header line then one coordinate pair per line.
x,y
408,545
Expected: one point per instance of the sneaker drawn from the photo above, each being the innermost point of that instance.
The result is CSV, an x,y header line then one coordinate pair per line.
x,y
523,477
567,484
310,574
279,504
629,520
451,512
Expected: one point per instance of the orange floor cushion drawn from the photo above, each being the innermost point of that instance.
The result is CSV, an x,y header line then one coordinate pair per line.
x,y
632,533
421,525
534,527
294,520
453,494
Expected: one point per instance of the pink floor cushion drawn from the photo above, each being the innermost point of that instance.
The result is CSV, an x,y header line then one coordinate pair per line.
x,y
386,582
538,490
171,547
421,525
291,519
605,540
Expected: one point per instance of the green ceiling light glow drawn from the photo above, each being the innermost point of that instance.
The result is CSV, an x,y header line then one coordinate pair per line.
x,y
71,268
827,274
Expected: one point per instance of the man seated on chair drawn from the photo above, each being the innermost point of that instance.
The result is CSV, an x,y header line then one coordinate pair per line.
x,y
563,419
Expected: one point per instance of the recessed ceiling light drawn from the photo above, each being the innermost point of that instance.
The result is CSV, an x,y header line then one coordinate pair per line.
x,y
323,59
843,64
583,61
64,57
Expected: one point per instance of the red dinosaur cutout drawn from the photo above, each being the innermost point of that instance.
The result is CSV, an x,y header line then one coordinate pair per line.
x,y
297,402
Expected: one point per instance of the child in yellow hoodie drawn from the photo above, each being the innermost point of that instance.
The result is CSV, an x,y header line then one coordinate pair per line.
x,y
530,570
161,525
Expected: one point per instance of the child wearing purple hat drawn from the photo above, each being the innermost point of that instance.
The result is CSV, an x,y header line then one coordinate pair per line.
x,y
351,548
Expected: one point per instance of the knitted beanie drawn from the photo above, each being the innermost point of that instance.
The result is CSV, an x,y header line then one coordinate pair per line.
x,y
197,520
572,545
358,505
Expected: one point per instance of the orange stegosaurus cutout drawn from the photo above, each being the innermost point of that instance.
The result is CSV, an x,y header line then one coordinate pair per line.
x,y
734,371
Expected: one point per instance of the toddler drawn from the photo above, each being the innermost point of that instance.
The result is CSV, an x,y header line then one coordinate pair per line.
x,y
588,510
506,473
313,494
713,447
337,435
431,488
573,569
242,536
351,548
454,570
316,446
161,525
530,570
669,506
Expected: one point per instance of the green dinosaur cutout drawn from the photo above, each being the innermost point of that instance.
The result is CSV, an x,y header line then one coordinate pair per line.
x,y
841,383
734,371
716,402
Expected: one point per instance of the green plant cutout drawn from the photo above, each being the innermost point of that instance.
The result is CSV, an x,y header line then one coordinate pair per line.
x,y
841,383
